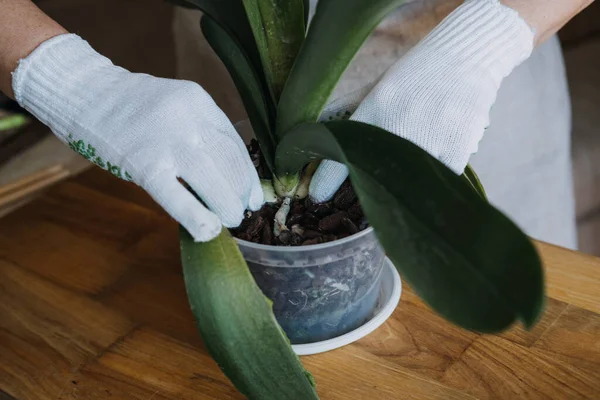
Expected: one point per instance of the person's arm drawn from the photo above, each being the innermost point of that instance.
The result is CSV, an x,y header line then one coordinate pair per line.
x,y
546,17
144,129
440,94
23,27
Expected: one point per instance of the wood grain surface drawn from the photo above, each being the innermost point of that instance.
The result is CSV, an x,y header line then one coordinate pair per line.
x,y
92,306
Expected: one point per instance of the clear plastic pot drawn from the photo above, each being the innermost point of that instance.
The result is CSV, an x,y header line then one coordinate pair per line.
x,y
321,291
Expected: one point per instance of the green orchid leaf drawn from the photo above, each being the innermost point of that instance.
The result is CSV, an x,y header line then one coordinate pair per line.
x,y
306,12
237,323
13,122
467,260
336,32
471,177
231,15
183,3
247,83
279,29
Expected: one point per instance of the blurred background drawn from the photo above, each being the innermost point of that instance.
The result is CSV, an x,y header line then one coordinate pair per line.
x,y
139,35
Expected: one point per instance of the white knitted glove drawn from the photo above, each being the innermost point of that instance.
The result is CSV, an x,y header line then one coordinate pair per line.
x,y
439,95
144,129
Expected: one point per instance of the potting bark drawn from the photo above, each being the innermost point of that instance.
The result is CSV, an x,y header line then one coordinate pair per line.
x,y
308,223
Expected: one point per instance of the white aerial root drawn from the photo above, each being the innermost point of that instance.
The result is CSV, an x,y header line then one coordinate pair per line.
x,y
281,217
300,192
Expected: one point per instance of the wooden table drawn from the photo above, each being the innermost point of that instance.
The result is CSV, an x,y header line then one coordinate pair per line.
x,y
92,306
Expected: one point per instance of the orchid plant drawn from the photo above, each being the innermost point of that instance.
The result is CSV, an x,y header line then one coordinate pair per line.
x,y
467,260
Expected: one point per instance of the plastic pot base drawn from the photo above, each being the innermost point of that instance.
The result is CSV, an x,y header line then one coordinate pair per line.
x,y
389,297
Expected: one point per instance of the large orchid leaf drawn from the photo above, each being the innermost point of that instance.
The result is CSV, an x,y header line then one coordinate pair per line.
x,y
466,259
237,324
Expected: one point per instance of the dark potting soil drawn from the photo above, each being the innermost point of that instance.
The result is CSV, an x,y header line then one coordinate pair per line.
x,y
308,222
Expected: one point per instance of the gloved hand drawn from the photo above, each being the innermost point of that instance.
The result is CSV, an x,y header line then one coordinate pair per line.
x,y
144,129
439,95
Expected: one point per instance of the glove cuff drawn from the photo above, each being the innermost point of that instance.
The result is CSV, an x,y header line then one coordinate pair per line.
x,y
59,81
484,35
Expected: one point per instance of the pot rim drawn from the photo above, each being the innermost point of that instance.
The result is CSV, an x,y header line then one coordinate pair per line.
x,y
303,249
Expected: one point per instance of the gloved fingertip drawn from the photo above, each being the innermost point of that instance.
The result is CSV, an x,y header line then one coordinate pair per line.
x,y
327,180
257,198
206,230
228,207
233,216
318,196
320,191
202,224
